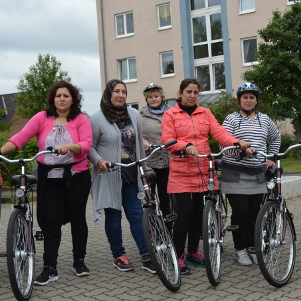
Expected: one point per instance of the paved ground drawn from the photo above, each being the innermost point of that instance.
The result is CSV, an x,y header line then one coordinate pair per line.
x,y
106,283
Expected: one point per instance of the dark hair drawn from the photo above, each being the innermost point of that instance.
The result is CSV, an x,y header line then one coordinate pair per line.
x,y
75,108
185,83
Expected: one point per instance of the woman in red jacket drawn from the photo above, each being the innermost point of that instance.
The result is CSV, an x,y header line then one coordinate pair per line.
x,y
191,125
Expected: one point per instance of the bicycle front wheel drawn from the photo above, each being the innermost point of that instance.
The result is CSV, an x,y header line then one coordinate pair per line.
x,y
211,244
275,254
161,249
20,260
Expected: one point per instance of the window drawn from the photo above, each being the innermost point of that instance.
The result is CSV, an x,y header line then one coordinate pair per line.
x,y
164,16
127,69
249,47
246,6
134,105
200,4
211,76
290,1
207,36
167,64
124,25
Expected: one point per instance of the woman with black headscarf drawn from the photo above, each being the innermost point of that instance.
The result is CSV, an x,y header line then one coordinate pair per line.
x,y
114,127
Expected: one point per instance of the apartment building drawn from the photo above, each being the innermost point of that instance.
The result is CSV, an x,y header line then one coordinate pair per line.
x,y
144,41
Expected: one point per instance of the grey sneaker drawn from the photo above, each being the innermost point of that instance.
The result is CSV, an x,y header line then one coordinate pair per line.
x,y
123,264
242,257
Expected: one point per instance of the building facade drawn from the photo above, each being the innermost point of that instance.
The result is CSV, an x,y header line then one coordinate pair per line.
x,y
164,42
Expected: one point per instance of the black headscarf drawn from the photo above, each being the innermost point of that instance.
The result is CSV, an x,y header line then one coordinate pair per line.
x,y
113,114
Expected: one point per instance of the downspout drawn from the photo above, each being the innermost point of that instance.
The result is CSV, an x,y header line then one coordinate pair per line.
x,y
103,43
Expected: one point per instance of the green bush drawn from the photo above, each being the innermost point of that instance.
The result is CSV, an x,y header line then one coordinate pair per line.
x,y
10,169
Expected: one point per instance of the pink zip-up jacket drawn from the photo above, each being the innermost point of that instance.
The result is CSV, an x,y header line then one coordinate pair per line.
x,y
40,126
184,174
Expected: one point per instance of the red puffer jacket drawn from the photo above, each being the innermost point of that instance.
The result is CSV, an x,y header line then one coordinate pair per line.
x,y
184,174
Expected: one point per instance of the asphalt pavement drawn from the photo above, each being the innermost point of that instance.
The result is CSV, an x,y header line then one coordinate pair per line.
x,y
243,283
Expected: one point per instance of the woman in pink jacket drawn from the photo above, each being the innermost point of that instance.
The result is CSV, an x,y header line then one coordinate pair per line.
x,y
191,125
64,179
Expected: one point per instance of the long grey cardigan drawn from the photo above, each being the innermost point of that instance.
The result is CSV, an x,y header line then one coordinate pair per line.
x,y
106,188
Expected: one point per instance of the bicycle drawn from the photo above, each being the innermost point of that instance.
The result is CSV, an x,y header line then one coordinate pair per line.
x,y
157,238
275,235
215,215
20,247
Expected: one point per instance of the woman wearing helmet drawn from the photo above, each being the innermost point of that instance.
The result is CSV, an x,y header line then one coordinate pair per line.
x,y
243,177
151,116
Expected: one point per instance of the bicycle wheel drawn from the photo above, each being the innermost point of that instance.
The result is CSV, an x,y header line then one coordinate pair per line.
x,y
20,262
211,245
276,257
161,249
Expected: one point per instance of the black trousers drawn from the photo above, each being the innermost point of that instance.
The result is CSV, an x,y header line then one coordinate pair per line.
x,y
65,204
189,221
245,209
162,179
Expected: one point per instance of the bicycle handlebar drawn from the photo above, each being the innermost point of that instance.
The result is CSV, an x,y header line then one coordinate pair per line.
x,y
22,160
279,154
112,164
183,153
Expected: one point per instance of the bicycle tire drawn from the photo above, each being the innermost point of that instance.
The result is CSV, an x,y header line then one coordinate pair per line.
x,y
161,249
20,262
212,247
276,260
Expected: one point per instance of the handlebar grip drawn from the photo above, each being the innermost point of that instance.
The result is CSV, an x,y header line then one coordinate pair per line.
x,y
53,151
237,144
110,165
172,142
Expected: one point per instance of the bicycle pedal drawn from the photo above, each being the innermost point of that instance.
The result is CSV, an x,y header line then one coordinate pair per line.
x,y
232,228
170,218
2,254
39,235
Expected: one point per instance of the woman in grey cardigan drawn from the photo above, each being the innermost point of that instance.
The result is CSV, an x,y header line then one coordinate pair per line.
x,y
117,137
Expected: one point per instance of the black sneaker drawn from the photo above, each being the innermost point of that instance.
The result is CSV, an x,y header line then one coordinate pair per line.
x,y
148,266
48,274
79,268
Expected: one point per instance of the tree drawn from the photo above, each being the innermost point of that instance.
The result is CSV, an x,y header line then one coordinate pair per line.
x,y
35,84
278,73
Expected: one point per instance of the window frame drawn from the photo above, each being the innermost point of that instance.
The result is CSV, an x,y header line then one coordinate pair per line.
x,y
290,2
158,16
243,51
124,25
212,76
161,65
128,79
247,11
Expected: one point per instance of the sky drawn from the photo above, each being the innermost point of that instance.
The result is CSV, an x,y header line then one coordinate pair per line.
x,y
66,29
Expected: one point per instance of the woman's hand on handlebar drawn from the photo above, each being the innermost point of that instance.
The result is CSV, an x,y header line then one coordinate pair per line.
x,y
244,144
101,165
192,150
270,164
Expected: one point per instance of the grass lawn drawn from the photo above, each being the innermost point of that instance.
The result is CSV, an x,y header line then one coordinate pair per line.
x,y
291,164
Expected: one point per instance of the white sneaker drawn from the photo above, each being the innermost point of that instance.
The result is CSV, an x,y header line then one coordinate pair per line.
x,y
242,257
253,258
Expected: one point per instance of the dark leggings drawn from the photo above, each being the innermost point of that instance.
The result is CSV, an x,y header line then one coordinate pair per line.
x,y
189,221
162,179
66,204
245,209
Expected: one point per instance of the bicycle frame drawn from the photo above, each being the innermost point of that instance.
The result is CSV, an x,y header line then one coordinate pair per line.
x,y
277,196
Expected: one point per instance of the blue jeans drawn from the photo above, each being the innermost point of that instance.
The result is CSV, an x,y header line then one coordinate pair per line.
x,y
133,212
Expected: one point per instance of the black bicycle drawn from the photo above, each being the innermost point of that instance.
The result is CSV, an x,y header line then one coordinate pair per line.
x,y
215,215
157,238
275,235
20,247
